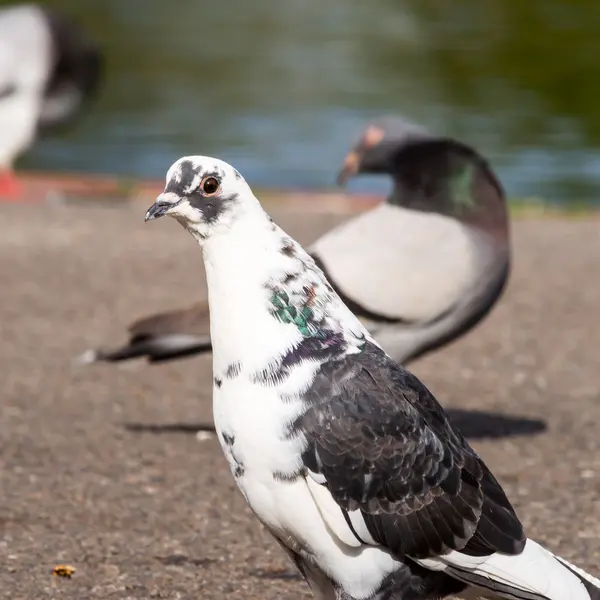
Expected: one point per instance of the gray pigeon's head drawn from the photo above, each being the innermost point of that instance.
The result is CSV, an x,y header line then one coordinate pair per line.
x,y
430,173
202,193
376,144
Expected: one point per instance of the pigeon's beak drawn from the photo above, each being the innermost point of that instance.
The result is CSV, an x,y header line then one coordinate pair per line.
x,y
349,168
165,202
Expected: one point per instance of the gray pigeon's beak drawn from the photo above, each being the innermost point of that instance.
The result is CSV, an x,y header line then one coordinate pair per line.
x,y
163,204
349,168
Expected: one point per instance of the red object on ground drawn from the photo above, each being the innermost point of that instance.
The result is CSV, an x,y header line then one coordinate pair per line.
x,y
10,186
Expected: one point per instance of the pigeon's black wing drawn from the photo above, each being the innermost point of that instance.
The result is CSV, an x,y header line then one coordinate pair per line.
x,y
385,450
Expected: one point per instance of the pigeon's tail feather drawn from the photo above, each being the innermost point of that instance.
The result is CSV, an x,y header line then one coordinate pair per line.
x,y
591,584
162,337
160,348
535,574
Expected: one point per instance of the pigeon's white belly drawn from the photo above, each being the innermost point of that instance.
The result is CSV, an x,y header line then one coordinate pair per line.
x,y
251,422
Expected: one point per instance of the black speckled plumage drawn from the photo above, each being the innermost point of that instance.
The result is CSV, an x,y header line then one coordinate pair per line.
x,y
313,348
233,370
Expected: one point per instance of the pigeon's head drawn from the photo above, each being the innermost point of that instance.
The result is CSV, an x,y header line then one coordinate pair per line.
x,y
202,193
374,150
431,173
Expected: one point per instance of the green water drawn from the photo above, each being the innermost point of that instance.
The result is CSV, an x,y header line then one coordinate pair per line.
x,y
282,87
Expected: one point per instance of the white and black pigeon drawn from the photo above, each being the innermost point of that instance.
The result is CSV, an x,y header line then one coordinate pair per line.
x,y
420,270
344,455
48,71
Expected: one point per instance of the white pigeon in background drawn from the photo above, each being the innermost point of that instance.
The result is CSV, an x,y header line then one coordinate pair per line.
x,y
341,453
420,270
48,71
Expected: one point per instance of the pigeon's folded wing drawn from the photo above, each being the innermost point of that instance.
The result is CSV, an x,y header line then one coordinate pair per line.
x,y
401,476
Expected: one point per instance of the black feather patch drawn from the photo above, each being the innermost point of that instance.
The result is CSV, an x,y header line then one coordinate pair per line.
x,y
386,448
233,370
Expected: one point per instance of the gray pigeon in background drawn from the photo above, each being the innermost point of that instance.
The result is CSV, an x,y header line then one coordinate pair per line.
x,y
49,70
419,270
342,454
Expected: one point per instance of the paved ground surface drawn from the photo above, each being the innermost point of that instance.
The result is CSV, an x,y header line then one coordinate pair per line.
x,y
100,467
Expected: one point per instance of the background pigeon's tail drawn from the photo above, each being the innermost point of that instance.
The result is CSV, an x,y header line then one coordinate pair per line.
x,y
159,348
535,574
161,337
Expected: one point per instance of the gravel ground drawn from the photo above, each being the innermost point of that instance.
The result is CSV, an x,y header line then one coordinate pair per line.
x,y
101,467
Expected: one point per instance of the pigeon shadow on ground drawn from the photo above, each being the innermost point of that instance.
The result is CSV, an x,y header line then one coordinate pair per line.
x,y
276,574
472,424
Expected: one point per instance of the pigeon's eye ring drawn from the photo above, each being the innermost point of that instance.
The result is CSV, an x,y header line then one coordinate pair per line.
x,y
210,185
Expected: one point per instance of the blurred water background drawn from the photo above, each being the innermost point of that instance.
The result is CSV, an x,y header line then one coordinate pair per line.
x,y
282,87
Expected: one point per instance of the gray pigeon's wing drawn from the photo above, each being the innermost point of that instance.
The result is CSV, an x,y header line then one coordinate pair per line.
x,y
162,337
383,447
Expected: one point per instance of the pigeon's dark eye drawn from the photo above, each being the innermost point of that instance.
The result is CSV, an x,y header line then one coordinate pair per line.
x,y
209,185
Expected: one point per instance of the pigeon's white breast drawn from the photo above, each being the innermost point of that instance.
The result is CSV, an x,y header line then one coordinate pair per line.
x,y
404,264
256,418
